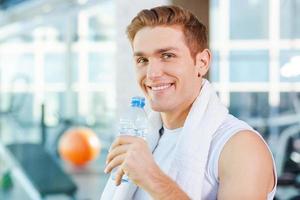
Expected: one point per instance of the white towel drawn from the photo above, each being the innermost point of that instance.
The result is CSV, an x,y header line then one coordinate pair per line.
x,y
188,167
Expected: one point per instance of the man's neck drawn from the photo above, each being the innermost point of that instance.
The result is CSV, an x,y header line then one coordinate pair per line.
x,y
173,120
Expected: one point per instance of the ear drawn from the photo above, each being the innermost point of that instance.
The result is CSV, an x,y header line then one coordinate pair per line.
x,y
203,60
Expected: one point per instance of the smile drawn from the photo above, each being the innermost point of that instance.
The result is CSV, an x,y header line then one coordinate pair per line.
x,y
160,87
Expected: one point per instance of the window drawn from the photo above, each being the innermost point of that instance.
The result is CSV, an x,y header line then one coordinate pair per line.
x,y
290,19
249,19
65,62
252,41
249,66
286,56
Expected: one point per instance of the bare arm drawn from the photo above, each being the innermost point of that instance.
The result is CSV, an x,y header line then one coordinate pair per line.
x,y
245,168
163,187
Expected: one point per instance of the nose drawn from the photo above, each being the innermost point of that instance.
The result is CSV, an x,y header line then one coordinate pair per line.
x,y
154,69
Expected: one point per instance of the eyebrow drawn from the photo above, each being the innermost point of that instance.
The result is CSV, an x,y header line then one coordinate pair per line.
x,y
158,51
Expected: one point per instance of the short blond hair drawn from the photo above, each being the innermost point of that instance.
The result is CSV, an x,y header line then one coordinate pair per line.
x,y
194,31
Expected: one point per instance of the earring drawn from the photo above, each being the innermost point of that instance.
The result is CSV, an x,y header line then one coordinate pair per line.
x,y
199,75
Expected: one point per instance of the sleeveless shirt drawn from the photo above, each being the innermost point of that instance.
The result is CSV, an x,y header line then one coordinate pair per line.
x,y
163,155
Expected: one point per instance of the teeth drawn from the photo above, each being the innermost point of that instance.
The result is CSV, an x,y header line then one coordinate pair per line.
x,y
161,87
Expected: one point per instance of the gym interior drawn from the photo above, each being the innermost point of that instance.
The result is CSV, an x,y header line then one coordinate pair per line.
x,y
66,73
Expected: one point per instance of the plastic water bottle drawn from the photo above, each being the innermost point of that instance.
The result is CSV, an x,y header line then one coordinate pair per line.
x,y
133,122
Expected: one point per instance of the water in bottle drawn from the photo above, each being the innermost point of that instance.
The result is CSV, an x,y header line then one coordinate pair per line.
x,y
133,122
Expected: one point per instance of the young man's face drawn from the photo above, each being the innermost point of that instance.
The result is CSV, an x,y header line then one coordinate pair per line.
x,y
165,70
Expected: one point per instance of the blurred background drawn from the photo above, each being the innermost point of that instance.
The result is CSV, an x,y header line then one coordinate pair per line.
x,y
66,73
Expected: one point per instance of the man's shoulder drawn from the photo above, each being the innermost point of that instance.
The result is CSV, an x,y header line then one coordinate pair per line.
x,y
247,158
245,146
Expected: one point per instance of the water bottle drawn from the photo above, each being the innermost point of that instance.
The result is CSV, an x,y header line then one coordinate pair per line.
x,y
133,122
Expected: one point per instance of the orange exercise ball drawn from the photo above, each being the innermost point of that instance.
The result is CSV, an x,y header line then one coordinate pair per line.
x,y
79,146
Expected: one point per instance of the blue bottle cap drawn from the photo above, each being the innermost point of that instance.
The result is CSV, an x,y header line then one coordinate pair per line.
x,y
138,102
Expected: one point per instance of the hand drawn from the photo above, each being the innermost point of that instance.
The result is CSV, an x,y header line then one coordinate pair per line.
x,y
134,158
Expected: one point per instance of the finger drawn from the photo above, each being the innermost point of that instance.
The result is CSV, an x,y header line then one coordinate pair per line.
x,y
118,177
116,151
122,139
116,161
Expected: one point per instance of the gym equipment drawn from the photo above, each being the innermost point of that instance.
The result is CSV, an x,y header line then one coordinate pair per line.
x,y
287,155
287,158
43,172
79,146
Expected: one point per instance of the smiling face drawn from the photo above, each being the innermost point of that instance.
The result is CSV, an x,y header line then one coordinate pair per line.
x,y
165,70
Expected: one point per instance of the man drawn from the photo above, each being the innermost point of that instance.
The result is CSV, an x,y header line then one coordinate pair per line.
x,y
201,151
